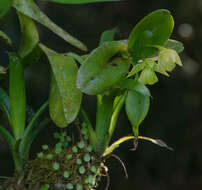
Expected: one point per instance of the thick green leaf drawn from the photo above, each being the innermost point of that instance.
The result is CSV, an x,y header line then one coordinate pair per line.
x,y
133,84
108,35
116,144
30,35
5,5
154,29
17,95
30,9
80,1
4,103
98,72
65,98
137,106
175,45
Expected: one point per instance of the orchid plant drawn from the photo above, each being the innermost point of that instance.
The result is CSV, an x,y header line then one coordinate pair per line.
x,y
117,72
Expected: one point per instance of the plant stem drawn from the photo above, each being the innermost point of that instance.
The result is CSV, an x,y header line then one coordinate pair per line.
x,y
103,117
24,145
12,145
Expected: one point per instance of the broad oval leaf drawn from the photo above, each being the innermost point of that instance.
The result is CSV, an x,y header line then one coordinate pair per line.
x,y
154,29
137,106
17,95
30,9
98,73
29,37
65,98
80,1
5,5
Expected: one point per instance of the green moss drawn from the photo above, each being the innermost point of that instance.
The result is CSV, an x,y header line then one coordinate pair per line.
x,y
66,174
87,157
82,170
45,147
65,168
81,144
56,166
78,161
74,149
69,186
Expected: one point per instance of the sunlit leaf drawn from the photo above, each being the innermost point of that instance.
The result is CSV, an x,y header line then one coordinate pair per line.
x,y
175,45
65,98
29,37
17,95
108,35
79,1
154,29
5,5
98,73
30,9
137,106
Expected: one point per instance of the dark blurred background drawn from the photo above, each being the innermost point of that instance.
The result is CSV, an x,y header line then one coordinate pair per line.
x,y
176,109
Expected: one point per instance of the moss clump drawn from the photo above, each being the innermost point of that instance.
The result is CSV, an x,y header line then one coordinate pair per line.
x,y
66,166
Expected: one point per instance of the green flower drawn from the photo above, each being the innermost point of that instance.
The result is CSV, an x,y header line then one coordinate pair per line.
x,y
148,76
167,61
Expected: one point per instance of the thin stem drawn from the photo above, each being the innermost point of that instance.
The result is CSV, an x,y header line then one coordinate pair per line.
x,y
115,115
